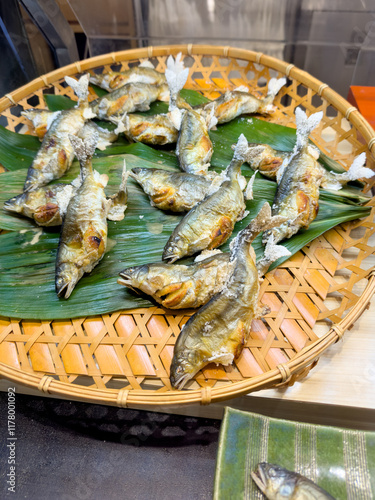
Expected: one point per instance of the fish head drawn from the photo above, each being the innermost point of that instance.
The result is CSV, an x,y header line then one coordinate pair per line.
x,y
185,364
274,481
137,277
15,204
67,276
175,249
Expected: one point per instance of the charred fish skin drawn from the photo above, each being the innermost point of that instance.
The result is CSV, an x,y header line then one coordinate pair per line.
x,y
46,205
156,130
219,330
129,98
265,159
83,236
210,223
56,153
171,191
278,483
179,286
194,147
237,102
140,74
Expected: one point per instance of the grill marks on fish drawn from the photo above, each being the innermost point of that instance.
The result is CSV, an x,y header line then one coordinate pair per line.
x,y
113,80
179,286
83,238
194,147
56,153
174,191
219,330
129,98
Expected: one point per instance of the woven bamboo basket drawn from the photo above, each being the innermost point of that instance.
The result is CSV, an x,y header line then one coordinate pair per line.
x,y
123,358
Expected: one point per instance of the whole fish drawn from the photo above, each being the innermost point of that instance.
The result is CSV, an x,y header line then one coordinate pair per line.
x,y
159,129
83,239
194,147
239,102
210,223
144,73
219,330
299,178
56,152
46,205
268,161
128,98
277,483
179,286
43,118
174,191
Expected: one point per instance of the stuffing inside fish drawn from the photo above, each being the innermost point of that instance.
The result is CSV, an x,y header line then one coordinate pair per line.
x,y
299,178
239,102
144,73
56,152
277,483
210,223
177,286
46,205
219,330
83,238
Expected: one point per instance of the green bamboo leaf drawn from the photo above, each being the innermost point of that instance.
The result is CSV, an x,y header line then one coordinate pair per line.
x,y
98,90
27,257
17,150
58,102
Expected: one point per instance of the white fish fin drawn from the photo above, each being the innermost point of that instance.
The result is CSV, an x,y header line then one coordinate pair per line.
x,y
313,151
146,64
122,124
272,252
211,120
356,170
84,149
241,148
252,152
118,202
80,87
242,88
305,126
274,86
248,194
176,118
176,75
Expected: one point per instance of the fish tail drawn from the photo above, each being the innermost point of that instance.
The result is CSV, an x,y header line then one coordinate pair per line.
x,y
118,202
272,252
274,86
305,125
262,222
176,75
84,150
239,157
357,170
80,87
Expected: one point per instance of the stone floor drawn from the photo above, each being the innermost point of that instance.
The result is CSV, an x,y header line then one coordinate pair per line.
x,y
68,450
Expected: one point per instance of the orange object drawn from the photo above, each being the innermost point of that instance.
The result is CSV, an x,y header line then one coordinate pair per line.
x,y
363,98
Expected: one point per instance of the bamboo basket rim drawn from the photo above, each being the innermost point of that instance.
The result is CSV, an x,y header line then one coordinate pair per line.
x,y
284,372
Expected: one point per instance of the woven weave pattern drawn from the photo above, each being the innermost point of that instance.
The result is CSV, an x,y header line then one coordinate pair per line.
x,y
132,350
